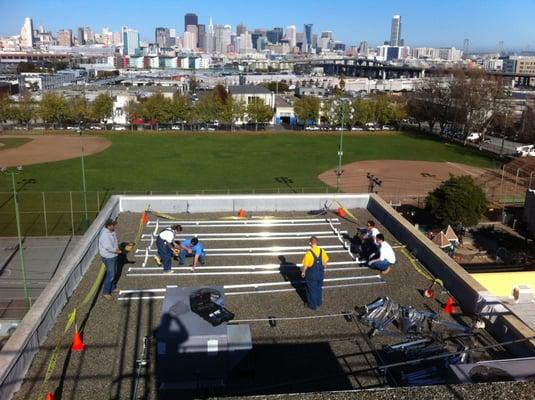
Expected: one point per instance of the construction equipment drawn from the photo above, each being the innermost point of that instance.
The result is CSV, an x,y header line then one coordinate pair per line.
x,y
383,312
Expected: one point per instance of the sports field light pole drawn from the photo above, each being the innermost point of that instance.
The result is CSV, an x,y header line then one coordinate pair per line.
x,y
339,171
86,215
19,233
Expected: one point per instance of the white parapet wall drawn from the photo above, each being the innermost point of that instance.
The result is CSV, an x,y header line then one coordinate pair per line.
x,y
250,203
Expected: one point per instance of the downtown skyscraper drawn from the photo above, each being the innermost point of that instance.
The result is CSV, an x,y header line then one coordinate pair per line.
x,y
395,31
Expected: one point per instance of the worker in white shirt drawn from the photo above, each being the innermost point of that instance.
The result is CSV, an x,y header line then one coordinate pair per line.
x,y
385,257
166,244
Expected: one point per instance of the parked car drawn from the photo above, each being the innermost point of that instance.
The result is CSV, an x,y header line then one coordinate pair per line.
x,y
387,128
176,128
474,137
312,128
523,151
95,127
357,128
119,128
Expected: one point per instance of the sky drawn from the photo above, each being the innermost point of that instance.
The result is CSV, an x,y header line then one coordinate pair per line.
x,y
431,23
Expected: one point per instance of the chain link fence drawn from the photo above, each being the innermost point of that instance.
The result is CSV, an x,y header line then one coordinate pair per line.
x,y
63,212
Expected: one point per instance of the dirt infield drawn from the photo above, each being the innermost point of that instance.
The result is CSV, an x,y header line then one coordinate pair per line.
x,y
401,180
43,149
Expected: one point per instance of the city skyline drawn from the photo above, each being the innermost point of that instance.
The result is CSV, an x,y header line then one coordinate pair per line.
x,y
485,23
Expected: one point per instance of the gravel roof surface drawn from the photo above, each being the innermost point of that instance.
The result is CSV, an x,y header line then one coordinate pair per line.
x,y
314,355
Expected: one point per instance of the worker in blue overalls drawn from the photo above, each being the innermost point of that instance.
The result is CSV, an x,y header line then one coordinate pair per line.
x,y
314,264
167,247
192,248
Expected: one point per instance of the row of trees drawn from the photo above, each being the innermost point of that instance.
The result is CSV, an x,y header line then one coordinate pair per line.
x,y
215,105
470,101
378,110
55,109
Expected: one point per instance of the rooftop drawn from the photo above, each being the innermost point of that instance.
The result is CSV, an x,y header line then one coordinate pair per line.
x,y
248,89
294,350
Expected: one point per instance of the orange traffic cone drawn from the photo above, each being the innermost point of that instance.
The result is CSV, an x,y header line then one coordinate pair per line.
x,y
241,213
342,212
429,293
77,343
448,308
50,396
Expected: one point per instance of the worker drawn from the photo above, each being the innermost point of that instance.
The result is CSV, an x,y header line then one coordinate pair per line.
x,y
109,251
364,243
192,248
167,247
314,264
385,257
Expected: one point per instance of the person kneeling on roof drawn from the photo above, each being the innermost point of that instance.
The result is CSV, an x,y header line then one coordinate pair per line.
x,y
192,248
385,256
167,247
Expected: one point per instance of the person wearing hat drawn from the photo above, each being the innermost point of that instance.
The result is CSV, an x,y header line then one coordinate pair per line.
x,y
314,264
109,250
167,247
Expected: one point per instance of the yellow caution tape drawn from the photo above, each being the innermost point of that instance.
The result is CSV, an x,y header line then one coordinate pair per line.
x,y
425,274
164,216
71,320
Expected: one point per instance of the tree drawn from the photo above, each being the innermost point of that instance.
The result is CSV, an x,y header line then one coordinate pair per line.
x,y
307,110
5,109
180,108
52,108
77,110
231,111
277,86
101,108
342,83
24,110
477,99
132,111
207,108
192,84
527,125
157,109
459,200
259,112
424,104
363,112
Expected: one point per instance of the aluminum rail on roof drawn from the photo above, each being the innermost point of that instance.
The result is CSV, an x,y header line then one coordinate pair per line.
x,y
256,249
254,285
241,239
250,267
274,253
244,225
237,273
252,234
268,291
245,222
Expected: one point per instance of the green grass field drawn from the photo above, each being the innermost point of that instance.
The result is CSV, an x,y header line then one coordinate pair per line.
x,y
200,162
10,143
